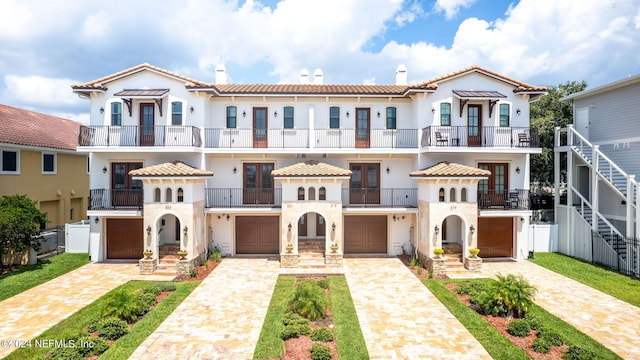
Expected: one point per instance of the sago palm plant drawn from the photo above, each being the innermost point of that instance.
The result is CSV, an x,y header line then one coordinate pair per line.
x,y
510,296
309,301
122,304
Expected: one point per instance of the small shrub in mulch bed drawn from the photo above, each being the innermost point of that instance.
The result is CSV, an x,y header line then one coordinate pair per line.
x,y
320,352
322,334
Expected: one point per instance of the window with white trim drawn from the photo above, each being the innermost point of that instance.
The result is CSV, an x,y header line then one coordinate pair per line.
x,y
391,117
176,113
445,114
504,115
49,163
10,162
116,114
288,117
232,117
334,117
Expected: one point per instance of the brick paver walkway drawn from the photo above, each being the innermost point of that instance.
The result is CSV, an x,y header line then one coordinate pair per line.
x,y
612,322
30,313
401,319
222,317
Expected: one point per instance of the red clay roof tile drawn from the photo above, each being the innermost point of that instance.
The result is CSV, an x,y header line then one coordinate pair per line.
x,y
30,128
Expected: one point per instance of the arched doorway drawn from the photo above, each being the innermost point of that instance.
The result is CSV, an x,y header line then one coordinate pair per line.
x,y
453,234
168,230
312,230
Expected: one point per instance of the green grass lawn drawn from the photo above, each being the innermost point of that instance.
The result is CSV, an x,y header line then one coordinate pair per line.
x,y
609,282
497,345
349,338
31,276
127,344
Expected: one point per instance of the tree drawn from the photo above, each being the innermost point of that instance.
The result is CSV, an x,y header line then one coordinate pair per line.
x,y
546,114
20,222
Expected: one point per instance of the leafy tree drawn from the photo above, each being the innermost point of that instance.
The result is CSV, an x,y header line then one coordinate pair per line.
x,y
546,114
20,222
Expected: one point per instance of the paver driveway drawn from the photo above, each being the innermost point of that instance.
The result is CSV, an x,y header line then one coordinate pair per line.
x,y
221,318
400,318
612,322
30,313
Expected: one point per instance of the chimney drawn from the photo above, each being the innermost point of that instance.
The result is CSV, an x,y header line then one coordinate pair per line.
x,y
304,76
318,77
401,75
221,74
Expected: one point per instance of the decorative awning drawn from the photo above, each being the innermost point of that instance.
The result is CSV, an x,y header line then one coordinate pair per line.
x,y
128,95
466,95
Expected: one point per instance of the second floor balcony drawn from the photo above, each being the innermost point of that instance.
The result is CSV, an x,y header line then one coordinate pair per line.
x,y
514,199
479,136
134,136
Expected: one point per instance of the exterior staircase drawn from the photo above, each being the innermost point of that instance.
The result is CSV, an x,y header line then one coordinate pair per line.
x,y
167,259
454,258
311,253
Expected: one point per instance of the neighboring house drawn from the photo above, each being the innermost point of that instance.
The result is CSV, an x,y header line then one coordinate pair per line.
x,y
601,149
290,169
39,159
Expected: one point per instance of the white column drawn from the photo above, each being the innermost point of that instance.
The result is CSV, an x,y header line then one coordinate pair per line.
x,y
629,201
312,132
569,209
594,188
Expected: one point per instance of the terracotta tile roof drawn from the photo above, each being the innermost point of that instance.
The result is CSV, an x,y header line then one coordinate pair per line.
x,y
449,169
170,169
142,92
310,168
519,85
98,84
29,128
311,89
478,94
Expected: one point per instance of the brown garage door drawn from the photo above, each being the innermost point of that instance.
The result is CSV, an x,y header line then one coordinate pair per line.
x,y
124,238
365,234
495,237
257,234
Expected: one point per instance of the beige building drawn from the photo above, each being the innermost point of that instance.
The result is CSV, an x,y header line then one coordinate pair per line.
x,y
38,159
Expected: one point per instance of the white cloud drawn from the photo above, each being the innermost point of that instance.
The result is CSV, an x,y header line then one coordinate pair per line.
x,y
451,7
40,91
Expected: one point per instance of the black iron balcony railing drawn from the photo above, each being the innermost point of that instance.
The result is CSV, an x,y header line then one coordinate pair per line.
x,y
366,139
485,136
243,197
515,199
132,135
256,138
115,199
377,197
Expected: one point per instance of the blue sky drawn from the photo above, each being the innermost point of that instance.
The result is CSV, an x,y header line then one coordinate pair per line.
x,y
48,45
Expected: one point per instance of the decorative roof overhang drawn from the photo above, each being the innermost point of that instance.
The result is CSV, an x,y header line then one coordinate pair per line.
x,y
447,169
170,169
465,95
310,168
156,95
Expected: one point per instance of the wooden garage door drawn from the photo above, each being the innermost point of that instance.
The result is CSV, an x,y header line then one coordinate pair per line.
x,y
257,234
495,237
125,239
365,234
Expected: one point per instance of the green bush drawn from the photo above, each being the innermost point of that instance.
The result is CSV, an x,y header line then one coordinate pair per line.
x,y
519,328
309,300
165,287
578,353
93,324
112,328
292,318
89,345
294,331
193,272
553,338
509,296
469,287
321,334
540,345
324,283
534,322
121,303
152,289
320,352
216,255
65,353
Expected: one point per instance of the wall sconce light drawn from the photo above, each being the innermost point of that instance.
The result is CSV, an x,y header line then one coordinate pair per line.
x,y
228,217
275,114
289,227
347,114
235,170
101,110
191,109
148,229
388,170
433,110
521,220
472,229
436,229
244,113
394,217
518,112
333,227
185,230
104,169
96,220
378,114
517,169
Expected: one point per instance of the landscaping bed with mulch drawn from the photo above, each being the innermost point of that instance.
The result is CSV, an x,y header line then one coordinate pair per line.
x,y
200,272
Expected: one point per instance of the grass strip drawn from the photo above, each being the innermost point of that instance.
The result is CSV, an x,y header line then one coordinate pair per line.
x,y
491,339
349,339
609,282
76,323
270,345
30,276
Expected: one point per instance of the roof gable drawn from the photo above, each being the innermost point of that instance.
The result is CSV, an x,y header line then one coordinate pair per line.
x,y
518,85
170,169
449,169
310,168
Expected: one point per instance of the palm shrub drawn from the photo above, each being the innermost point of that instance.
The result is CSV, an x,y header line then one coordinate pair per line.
x,y
122,304
510,296
309,300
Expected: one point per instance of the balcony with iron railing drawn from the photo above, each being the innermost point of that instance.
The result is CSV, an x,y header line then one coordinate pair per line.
x,y
515,199
474,136
115,199
366,139
243,198
380,197
256,138
134,136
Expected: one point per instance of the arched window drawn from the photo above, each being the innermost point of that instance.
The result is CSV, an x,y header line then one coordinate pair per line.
x,y
180,195
312,193
441,195
452,195
463,195
322,193
156,196
168,196
300,193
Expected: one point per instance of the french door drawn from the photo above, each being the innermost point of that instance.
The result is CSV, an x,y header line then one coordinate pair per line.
x,y
364,187
363,128
494,190
126,191
147,126
260,123
474,125
258,184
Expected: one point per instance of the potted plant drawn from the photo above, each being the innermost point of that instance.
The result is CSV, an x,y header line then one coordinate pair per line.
x,y
289,247
437,252
182,254
334,247
474,252
147,253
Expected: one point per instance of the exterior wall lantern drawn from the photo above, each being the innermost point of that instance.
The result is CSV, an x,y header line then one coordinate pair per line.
x,y
185,230
96,219
191,109
436,229
472,229
101,110
289,227
521,220
517,169
104,169
518,112
333,227
148,229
